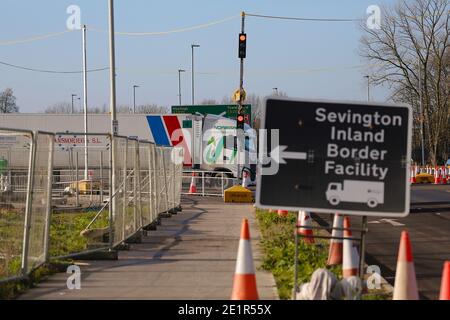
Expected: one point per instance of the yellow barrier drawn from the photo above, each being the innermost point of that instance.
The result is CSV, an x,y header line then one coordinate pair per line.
x,y
238,194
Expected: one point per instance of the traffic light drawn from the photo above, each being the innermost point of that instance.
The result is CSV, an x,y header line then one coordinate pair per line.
x,y
242,45
240,121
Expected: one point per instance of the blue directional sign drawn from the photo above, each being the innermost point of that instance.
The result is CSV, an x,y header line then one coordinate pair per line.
x,y
327,156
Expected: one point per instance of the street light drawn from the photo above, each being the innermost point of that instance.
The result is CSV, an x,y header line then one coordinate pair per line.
x,y
179,84
134,98
368,87
192,71
275,91
73,96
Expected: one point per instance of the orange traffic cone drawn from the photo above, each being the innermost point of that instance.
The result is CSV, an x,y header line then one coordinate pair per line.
x,y
350,261
413,175
335,253
283,213
437,177
444,176
445,284
193,187
405,286
244,284
303,222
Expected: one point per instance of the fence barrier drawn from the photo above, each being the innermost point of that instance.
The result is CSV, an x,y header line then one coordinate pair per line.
x,y
208,183
61,197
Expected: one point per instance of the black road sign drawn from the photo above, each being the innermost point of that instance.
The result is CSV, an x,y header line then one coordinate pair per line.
x,y
351,158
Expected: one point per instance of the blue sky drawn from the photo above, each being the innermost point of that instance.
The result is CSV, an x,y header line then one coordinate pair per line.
x,y
275,49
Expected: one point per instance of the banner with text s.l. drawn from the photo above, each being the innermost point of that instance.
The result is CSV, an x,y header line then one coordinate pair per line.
x,y
329,156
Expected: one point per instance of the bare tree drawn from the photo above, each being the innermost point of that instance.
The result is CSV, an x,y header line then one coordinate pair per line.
x,y
8,101
208,102
412,47
59,108
152,109
146,108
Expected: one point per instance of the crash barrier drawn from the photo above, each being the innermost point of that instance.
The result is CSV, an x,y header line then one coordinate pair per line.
x,y
49,210
207,183
429,174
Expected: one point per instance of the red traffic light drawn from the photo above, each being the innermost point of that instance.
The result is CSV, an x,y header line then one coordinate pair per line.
x,y
243,37
240,118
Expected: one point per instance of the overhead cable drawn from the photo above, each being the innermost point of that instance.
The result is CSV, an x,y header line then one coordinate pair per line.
x,y
35,38
302,18
158,33
48,71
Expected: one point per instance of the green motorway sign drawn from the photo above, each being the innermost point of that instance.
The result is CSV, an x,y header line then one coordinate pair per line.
x,y
228,110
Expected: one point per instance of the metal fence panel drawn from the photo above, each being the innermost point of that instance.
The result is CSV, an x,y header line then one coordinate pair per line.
x,y
80,219
41,200
15,161
145,182
120,147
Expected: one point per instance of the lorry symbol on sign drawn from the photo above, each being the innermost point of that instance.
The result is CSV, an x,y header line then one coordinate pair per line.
x,y
369,192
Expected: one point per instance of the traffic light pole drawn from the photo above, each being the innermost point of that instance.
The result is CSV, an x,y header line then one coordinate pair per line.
x,y
241,96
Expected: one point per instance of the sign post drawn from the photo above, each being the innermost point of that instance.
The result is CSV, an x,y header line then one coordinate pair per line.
x,y
325,156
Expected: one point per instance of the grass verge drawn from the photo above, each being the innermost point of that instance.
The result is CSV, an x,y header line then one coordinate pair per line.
x,y
278,242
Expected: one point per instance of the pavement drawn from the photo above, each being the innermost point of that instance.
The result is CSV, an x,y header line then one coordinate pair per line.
x,y
192,256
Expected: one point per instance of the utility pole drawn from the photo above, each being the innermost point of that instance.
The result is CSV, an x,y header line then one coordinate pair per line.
x,y
112,71
114,123
421,117
73,96
192,71
179,84
85,107
134,98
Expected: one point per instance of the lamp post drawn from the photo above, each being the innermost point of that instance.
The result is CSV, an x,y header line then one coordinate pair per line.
x,y
192,70
85,107
368,87
114,122
134,98
179,84
73,96
421,117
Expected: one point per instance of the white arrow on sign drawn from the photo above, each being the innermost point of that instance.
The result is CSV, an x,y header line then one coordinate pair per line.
x,y
279,155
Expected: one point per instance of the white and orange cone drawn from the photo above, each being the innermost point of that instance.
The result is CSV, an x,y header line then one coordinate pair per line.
x,y
413,175
437,176
244,284
193,186
350,260
445,282
335,253
282,213
304,221
405,286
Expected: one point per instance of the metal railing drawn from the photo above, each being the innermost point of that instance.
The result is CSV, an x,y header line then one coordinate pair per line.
x,y
48,209
207,183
